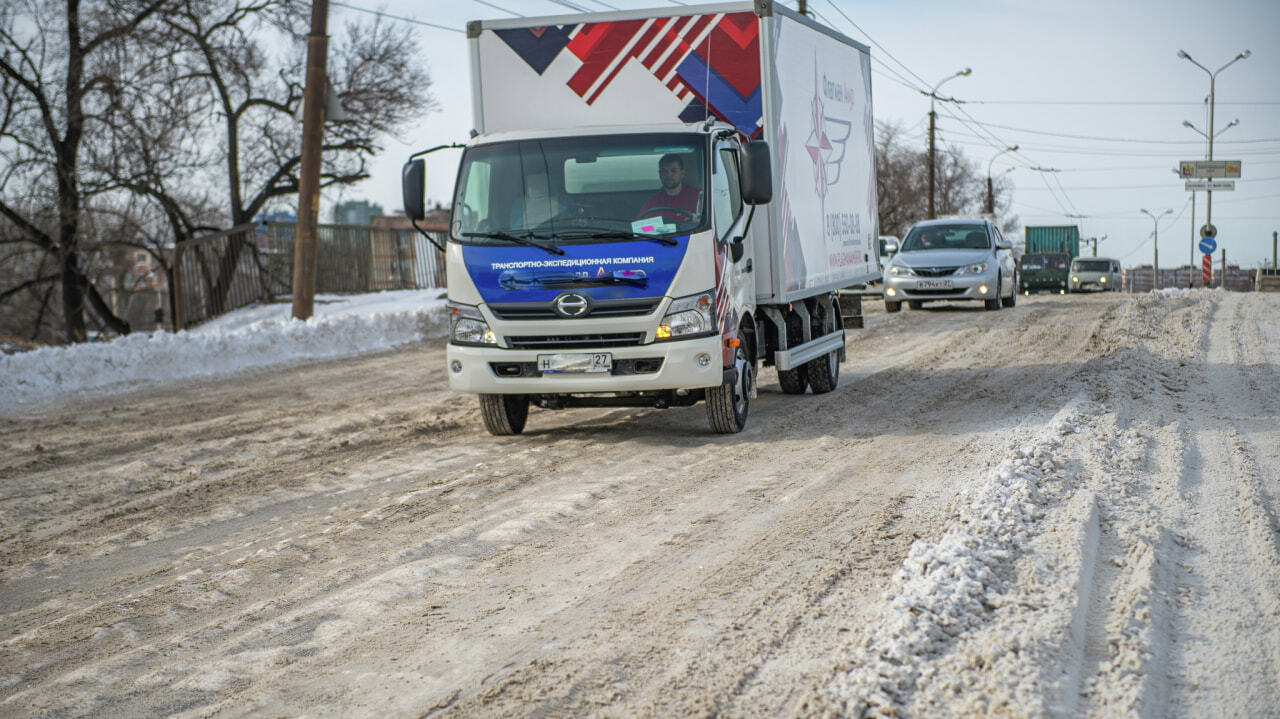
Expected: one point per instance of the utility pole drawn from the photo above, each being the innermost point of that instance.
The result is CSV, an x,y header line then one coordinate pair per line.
x,y
313,102
933,116
1222,281
1191,263
1273,250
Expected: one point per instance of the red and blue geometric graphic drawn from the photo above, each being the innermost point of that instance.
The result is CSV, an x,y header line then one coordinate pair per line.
x,y
710,61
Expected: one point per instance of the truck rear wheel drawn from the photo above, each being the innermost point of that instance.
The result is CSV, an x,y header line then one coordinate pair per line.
x,y
824,372
728,404
504,414
794,380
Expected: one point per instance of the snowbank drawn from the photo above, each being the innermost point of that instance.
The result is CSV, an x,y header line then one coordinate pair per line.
x,y
258,336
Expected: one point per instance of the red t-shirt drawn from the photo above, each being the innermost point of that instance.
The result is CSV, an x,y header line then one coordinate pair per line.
x,y
686,199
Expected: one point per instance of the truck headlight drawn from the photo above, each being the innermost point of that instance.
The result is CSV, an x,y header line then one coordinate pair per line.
x,y
1075,279
900,271
1102,280
690,316
974,269
467,326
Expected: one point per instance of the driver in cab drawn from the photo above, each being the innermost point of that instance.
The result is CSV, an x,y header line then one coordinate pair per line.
x,y
674,201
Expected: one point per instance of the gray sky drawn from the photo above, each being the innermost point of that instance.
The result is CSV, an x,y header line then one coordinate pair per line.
x,y
1093,89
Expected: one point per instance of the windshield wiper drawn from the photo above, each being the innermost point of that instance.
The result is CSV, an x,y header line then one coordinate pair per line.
x,y
616,234
522,239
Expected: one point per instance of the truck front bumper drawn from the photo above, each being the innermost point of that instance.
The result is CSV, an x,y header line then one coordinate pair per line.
x,y
681,364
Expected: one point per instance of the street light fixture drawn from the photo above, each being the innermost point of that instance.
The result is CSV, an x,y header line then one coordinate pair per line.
x,y
933,116
1155,246
1213,78
991,202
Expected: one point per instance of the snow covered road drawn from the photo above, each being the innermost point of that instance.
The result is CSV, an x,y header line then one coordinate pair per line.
x,y
1068,508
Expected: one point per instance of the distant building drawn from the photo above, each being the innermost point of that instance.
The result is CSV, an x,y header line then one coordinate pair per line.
x,y
356,212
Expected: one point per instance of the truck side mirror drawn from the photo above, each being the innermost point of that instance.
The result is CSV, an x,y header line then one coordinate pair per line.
x,y
413,181
757,173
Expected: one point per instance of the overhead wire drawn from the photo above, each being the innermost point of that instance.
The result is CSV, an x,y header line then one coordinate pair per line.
x,y
401,18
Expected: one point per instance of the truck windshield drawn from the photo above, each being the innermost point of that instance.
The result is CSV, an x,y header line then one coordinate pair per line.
x,y
1091,266
581,189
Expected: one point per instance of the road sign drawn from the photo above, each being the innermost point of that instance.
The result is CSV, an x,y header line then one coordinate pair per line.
x,y
1216,185
1208,230
1209,168
1206,271
1208,245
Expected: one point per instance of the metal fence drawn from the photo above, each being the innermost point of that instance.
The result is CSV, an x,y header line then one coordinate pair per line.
x,y
215,274
252,263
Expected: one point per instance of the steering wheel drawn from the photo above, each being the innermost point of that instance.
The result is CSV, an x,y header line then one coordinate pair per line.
x,y
658,208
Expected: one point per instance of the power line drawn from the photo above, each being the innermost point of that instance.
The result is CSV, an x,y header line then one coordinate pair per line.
x,y
1115,102
401,18
1124,139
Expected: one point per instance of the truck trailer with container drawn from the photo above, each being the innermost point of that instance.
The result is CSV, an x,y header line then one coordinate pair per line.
x,y
655,203
1046,261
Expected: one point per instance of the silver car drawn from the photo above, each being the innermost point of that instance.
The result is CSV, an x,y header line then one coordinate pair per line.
x,y
953,259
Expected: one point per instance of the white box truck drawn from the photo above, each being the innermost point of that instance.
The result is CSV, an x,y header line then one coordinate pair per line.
x,y
653,204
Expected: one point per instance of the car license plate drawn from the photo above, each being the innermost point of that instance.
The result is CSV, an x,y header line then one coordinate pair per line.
x,y
575,362
933,284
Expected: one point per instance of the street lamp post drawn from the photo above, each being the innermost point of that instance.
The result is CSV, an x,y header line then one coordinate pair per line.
x,y
1155,247
991,200
1213,78
933,116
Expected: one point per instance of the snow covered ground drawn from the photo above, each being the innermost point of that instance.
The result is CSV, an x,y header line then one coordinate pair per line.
x,y
256,336
1067,508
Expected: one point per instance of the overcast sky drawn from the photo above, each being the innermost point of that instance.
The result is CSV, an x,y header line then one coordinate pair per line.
x,y
1093,89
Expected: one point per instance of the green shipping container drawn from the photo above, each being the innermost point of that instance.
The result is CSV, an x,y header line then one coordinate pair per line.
x,y
1061,239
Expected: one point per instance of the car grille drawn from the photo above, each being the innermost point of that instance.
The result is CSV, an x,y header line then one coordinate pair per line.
x,y
631,307
556,342
933,271
935,292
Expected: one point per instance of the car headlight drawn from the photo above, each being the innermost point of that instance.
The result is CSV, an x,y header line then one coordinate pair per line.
x,y
1103,280
1075,279
900,271
467,326
690,316
974,269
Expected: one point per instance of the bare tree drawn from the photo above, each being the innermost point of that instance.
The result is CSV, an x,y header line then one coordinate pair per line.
x,y
902,183
57,62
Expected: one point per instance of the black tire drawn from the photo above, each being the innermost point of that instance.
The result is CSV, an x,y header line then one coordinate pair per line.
x,y
824,371
504,414
728,404
892,306
915,304
992,305
1013,296
794,380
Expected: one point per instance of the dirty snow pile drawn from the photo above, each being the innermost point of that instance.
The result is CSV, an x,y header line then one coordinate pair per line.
x,y
946,588
258,336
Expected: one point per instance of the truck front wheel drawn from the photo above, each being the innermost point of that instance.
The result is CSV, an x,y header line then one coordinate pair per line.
x,y
727,405
504,414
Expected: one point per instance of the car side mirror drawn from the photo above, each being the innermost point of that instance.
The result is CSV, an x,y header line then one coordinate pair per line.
x,y
1003,244
413,181
757,173
890,248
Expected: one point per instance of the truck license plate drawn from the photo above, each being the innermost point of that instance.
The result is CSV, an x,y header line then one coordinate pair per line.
x,y
933,284
575,362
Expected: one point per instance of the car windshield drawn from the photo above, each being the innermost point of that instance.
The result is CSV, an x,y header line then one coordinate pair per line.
x,y
582,189
1092,266
947,237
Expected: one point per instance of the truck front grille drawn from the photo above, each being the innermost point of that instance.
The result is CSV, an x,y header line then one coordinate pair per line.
x,y
573,342
633,307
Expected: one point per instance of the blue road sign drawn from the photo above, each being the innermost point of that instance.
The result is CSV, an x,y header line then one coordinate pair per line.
x,y
1208,245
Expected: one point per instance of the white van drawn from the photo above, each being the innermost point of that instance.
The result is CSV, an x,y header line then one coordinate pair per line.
x,y
1094,273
